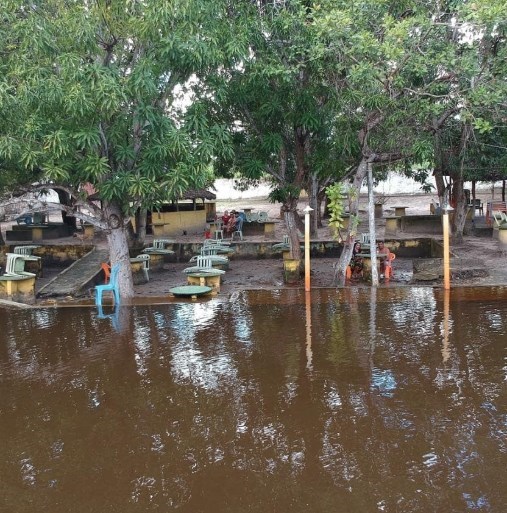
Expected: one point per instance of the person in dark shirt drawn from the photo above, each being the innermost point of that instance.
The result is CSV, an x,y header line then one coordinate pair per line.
x,y
356,262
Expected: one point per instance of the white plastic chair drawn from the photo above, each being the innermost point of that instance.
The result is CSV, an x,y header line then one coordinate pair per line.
x,y
203,264
219,243
239,229
212,252
25,250
15,265
219,230
159,246
365,238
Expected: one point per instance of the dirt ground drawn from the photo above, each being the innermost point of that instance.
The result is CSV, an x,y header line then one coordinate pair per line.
x,y
268,273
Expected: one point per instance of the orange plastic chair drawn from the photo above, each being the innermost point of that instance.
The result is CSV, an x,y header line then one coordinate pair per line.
x,y
107,271
388,269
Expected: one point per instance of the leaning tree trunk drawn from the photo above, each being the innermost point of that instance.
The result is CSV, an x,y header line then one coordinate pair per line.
x,y
118,248
348,243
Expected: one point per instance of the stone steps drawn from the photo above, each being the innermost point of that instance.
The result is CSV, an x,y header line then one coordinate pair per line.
x,y
76,279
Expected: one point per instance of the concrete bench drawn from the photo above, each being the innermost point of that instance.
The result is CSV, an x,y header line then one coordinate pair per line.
x,y
140,266
17,287
393,225
421,224
269,229
208,279
266,228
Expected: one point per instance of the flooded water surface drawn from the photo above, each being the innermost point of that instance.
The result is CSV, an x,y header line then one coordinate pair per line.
x,y
354,400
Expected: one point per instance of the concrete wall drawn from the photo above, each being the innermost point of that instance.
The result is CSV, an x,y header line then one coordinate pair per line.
x,y
408,248
173,224
425,224
55,256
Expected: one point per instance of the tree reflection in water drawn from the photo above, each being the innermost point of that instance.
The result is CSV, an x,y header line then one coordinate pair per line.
x,y
270,401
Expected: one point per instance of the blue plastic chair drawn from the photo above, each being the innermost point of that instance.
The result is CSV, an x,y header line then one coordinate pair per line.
x,y
112,286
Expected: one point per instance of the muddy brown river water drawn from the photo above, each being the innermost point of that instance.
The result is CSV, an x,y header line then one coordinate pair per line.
x,y
354,400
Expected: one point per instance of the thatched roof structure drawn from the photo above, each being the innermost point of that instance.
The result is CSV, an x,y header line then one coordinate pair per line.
x,y
203,194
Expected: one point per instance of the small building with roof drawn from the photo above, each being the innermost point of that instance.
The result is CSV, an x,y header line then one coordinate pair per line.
x,y
189,214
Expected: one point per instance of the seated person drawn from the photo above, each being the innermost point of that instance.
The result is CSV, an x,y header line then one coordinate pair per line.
x,y
231,223
226,217
386,258
356,262
240,215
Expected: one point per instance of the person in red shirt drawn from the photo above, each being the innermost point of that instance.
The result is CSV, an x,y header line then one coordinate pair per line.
x,y
226,217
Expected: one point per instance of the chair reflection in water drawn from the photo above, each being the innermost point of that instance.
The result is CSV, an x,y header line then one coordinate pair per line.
x,y
112,286
114,316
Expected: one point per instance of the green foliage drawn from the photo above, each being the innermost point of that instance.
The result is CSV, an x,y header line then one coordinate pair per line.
x,y
336,195
87,92
284,194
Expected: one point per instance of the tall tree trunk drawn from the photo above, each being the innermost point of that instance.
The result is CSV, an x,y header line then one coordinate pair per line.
x,y
294,226
141,221
301,152
118,248
440,160
460,209
458,191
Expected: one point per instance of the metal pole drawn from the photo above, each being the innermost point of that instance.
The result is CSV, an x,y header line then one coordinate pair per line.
x,y
372,230
309,352
446,351
307,211
445,228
